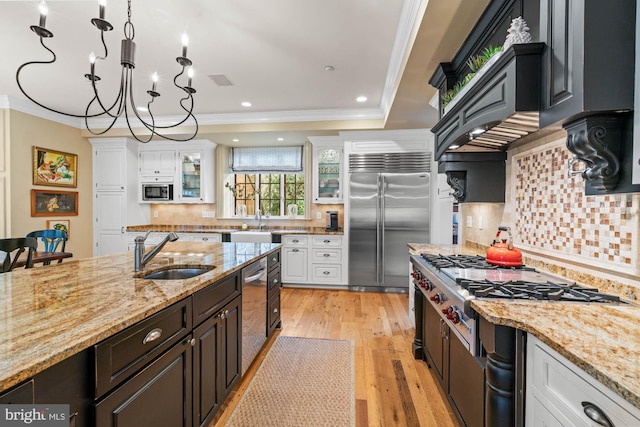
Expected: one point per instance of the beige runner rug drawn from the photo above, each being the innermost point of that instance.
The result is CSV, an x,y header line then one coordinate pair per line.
x,y
301,382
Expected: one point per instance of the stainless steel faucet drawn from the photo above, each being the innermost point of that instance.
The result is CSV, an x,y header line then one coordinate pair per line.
x,y
259,218
140,259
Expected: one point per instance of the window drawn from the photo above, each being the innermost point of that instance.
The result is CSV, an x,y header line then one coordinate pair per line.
x,y
271,192
269,178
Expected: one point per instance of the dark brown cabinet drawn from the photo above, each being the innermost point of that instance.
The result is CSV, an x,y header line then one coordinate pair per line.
x,y
274,283
589,60
460,374
20,394
216,360
160,394
435,339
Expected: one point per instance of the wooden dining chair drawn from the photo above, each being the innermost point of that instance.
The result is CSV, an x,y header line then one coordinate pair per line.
x,y
51,239
11,249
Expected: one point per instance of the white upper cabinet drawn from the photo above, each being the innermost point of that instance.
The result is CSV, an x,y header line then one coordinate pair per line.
x,y
328,166
186,166
196,173
157,162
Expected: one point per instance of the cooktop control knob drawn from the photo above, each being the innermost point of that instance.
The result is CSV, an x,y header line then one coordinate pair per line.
x,y
453,316
428,285
447,310
437,298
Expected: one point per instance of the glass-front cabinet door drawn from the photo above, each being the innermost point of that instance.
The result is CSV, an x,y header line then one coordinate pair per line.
x,y
327,166
191,185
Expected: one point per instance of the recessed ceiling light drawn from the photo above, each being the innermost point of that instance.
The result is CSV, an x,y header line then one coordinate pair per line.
x,y
235,140
329,68
361,99
246,104
280,139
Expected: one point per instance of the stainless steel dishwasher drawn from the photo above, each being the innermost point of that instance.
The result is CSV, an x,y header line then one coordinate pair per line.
x,y
254,310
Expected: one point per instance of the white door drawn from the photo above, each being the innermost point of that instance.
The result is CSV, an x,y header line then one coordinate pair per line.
x,y
113,161
110,223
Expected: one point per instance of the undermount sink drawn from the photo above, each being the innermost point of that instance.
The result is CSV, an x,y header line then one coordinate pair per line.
x,y
178,273
251,236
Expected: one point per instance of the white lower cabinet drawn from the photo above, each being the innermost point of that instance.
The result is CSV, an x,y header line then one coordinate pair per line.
x,y
313,259
558,393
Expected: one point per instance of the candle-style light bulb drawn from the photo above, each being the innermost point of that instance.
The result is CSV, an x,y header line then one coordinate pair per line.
x,y
190,74
185,43
92,58
154,79
103,5
42,7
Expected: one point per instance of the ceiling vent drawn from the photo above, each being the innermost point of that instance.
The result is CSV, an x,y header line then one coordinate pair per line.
x,y
220,80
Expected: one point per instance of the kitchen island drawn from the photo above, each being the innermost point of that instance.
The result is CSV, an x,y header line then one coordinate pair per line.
x,y
600,339
52,313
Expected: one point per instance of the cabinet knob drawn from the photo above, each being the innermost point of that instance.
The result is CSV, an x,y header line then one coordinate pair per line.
x,y
152,335
275,310
295,250
191,342
327,241
326,255
296,241
204,239
326,272
274,259
275,280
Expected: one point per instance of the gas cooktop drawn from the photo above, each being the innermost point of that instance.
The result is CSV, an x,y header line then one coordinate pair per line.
x,y
470,276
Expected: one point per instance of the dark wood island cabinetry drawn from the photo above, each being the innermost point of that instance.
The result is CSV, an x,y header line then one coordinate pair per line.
x,y
173,366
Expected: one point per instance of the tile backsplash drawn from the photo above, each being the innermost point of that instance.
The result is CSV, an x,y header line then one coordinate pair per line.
x,y
552,217
552,213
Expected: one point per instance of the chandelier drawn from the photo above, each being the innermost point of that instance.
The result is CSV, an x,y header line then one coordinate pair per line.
x,y
124,102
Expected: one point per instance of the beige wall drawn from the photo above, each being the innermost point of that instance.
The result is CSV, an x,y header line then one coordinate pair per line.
x,y
25,132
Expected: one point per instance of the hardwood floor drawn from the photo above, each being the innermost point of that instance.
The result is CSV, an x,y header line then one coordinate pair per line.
x,y
391,387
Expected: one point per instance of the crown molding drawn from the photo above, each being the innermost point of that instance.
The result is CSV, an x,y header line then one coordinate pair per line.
x,y
8,102
410,20
28,107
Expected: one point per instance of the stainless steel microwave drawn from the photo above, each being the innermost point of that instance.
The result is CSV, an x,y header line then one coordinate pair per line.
x,y
157,192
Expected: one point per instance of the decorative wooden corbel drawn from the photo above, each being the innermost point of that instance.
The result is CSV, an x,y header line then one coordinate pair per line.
x,y
597,141
457,182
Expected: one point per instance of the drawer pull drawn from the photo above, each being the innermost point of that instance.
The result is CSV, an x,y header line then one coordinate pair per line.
x,y
296,241
326,255
596,415
204,239
295,250
327,241
152,335
326,272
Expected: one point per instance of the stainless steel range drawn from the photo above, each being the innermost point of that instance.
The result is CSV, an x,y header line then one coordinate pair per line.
x,y
449,283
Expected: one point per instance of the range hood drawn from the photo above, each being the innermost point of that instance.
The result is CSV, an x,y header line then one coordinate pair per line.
x,y
500,106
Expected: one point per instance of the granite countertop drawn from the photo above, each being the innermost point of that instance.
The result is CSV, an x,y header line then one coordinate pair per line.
x,y
51,313
601,339
230,229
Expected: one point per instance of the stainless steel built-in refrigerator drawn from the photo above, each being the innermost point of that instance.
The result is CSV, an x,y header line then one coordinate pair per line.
x,y
388,208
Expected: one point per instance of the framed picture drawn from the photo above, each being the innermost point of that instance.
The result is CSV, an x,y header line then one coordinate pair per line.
x,y
54,203
59,224
51,167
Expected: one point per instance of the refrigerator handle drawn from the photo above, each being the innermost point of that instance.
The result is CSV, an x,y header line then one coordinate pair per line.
x,y
381,193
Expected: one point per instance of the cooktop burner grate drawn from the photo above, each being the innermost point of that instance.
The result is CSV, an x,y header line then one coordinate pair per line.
x,y
537,291
464,261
